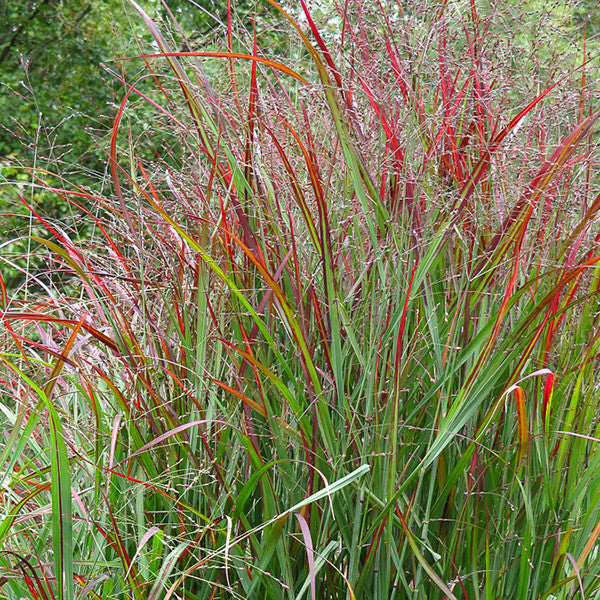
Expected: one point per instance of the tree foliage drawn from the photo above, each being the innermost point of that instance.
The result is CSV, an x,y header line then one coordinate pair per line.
x,y
55,62
50,57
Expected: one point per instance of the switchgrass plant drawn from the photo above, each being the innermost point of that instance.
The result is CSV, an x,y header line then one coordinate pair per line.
x,y
337,339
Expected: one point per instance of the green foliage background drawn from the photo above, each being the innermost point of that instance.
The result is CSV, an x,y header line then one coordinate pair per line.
x,y
56,60
60,84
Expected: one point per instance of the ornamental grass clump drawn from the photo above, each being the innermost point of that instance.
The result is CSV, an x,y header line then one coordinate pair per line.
x,y
334,336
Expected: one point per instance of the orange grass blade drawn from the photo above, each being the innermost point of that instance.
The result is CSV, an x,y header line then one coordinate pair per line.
x,y
230,55
523,430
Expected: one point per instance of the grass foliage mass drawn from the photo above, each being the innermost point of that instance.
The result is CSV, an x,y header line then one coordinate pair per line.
x,y
335,330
